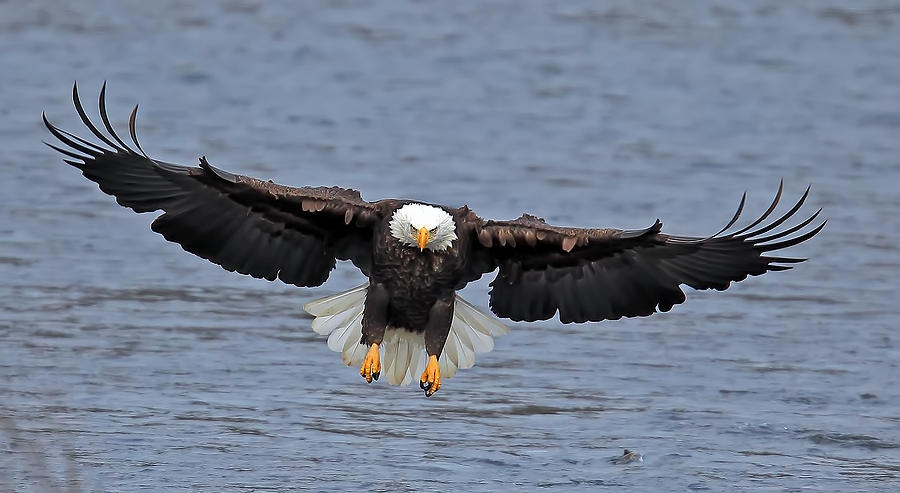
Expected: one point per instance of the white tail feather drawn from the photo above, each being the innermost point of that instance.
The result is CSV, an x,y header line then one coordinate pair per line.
x,y
337,303
403,354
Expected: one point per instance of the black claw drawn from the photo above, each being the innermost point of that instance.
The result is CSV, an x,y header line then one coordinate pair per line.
x,y
376,375
427,394
424,385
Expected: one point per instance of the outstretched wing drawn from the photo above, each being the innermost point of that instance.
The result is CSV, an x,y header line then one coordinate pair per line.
x,y
598,274
246,225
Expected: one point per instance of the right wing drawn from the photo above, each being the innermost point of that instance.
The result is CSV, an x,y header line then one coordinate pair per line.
x,y
598,274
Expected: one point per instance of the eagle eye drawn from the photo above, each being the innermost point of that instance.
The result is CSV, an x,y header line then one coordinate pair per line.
x,y
433,230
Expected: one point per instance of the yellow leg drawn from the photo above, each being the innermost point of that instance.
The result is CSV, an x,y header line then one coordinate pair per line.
x,y
371,367
431,377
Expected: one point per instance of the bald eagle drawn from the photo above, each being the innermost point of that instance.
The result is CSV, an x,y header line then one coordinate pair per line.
x,y
408,318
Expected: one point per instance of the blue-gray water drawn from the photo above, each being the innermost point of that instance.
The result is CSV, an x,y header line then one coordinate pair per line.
x,y
127,364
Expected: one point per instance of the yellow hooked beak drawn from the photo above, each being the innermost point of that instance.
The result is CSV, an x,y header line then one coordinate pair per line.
x,y
422,238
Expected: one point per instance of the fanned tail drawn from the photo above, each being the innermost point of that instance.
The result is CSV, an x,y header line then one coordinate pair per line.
x,y
339,316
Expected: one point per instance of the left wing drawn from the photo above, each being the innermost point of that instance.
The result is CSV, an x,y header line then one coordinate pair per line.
x,y
598,274
244,224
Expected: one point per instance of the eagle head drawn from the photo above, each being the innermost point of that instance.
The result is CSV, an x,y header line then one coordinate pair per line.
x,y
423,226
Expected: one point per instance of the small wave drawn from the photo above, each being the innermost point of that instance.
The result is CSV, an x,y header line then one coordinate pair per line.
x,y
852,440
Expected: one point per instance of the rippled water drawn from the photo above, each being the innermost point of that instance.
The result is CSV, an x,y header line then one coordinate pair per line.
x,y
127,364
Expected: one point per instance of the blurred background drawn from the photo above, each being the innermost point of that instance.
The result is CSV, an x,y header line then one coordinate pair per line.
x,y
127,364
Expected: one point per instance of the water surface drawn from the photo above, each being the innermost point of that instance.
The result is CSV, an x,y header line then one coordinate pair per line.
x,y
127,364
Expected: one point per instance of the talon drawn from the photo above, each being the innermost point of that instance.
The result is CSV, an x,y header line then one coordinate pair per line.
x,y
371,367
430,381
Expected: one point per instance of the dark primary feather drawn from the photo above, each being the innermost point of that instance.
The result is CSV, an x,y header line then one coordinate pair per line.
x,y
598,274
243,224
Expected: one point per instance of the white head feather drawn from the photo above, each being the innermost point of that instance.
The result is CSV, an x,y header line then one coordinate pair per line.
x,y
407,220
